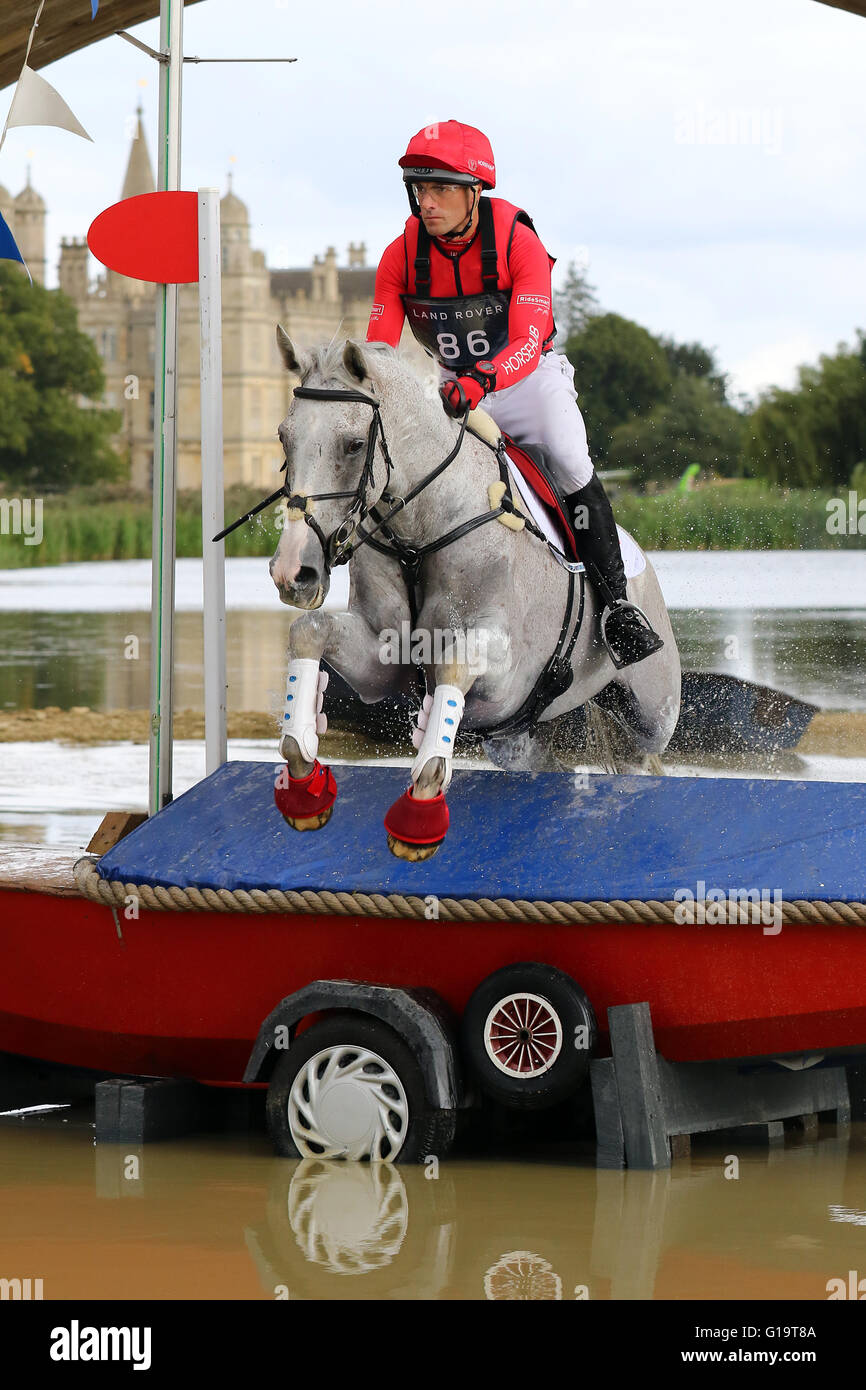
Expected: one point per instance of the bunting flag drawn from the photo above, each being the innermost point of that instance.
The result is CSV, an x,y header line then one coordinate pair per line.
x,y
94,6
35,102
9,248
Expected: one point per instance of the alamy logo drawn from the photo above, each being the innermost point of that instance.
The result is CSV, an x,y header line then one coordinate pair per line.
x,y
855,1288
22,517
76,1343
23,1289
714,906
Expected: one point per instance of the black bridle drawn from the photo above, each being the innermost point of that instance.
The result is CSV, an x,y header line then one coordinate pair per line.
x,y
338,547
335,547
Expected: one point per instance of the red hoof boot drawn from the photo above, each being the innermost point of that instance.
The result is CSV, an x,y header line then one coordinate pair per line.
x,y
416,829
305,803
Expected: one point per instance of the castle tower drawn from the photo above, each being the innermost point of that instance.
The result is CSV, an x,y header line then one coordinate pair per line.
x,y
29,229
139,173
137,180
234,233
72,270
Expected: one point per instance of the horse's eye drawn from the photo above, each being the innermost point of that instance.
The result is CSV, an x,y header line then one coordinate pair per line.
x,y
354,446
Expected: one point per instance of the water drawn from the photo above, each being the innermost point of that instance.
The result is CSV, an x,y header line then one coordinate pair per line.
x,y
219,1217
80,634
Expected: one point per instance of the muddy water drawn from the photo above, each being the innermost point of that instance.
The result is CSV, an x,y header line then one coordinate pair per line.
x,y
219,1217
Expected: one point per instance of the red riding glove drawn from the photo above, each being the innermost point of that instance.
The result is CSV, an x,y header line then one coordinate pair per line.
x,y
456,395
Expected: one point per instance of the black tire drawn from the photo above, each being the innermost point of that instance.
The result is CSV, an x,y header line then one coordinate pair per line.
x,y
552,1052
427,1131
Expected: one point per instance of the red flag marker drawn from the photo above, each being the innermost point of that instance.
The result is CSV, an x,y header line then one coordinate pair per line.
x,y
151,237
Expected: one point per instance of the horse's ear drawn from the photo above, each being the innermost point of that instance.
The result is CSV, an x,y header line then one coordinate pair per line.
x,y
294,361
355,362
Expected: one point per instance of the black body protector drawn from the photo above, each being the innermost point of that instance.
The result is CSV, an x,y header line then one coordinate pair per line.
x,y
468,330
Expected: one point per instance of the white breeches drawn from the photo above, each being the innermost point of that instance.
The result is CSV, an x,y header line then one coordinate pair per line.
x,y
542,409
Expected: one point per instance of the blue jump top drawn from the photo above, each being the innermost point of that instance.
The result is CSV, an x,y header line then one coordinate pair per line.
x,y
538,836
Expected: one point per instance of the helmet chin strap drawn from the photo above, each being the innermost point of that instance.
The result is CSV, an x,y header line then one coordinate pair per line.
x,y
461,231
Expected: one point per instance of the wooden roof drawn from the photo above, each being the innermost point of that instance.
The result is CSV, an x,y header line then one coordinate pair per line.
x,y
855,6
63,28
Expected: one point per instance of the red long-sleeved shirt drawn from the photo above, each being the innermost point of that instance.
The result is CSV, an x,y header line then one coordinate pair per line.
x,y
524,268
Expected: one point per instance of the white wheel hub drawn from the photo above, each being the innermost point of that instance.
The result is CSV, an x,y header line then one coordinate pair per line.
x,y
523,1035
348,1102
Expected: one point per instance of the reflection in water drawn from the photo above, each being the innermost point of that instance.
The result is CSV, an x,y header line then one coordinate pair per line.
x,y
220,1217
80,659
349,1218
522,1275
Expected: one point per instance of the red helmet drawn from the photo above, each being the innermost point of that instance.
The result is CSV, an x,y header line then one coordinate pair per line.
x,y
449,152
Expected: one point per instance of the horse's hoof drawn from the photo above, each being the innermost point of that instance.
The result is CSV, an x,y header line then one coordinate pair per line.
x,y
309,822
414,853
416,828
306,803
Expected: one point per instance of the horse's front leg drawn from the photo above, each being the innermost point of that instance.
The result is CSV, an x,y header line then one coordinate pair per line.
x,y
418,821
306,790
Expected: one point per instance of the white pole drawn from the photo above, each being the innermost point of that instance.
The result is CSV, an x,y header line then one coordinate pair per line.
x,y
212,517
165,426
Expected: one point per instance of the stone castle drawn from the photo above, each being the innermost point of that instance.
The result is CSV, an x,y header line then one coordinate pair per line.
x,y
118,313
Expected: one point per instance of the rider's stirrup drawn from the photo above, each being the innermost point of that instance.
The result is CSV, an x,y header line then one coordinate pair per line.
x,y
633,637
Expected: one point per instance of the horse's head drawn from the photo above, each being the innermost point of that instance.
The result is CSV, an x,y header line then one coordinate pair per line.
x,y
327,448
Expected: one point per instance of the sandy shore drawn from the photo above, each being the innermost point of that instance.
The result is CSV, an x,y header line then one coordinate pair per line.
x,y
835,733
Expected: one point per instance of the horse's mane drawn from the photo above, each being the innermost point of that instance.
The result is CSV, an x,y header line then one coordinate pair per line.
x,y
384,361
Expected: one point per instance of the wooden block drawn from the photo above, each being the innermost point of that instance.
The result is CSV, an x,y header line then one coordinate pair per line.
x,y
114,827
610,1148
681,1146
639,1085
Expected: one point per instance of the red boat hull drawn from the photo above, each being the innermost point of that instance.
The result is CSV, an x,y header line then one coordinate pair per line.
x,y
184,994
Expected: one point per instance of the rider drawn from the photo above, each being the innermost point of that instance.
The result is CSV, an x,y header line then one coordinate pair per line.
x,y
473,279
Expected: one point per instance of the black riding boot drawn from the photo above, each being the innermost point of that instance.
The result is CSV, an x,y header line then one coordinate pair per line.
x,y
625,628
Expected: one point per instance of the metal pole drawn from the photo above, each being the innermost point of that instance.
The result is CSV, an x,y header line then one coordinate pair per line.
x,y
165,426
212,515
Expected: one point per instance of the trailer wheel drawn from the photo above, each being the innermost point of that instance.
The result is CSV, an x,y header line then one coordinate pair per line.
x,y
528,1034
350,1088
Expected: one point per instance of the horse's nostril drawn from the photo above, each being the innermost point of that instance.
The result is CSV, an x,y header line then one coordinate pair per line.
x,y
306,575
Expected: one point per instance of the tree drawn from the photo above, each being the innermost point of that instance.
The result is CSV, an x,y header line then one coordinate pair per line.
x,y
47,438
620,371
693,359
814,435
691,427
575,303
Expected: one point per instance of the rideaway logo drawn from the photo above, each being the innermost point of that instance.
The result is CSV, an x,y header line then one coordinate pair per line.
x,y
76,1343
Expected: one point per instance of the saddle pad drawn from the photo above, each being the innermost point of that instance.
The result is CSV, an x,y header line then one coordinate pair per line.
x,y
549,519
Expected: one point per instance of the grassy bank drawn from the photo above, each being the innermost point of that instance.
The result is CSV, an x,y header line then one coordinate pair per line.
x,y
108,525
742,515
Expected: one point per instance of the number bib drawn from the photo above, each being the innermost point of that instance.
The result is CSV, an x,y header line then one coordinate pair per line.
x,y
460,332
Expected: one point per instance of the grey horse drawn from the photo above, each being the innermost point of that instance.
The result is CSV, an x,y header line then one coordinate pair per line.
x,y
490,604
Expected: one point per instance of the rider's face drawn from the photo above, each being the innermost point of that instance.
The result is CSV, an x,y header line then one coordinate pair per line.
x,y
443,207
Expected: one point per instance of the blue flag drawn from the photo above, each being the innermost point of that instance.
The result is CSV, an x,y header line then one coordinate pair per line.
x,y
8,247
94,6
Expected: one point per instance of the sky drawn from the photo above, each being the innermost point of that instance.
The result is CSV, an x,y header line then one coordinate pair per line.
x,y
702,161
